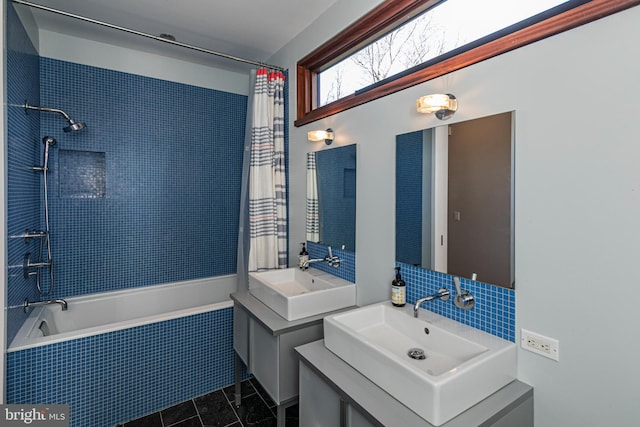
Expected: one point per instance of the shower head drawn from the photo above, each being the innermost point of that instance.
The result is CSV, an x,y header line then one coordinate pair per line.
x,y
73,125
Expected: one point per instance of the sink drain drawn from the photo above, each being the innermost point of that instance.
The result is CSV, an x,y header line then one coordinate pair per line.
x,y
416,353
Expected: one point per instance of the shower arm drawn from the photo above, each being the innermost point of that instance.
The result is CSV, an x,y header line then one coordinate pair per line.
x,y
73,125
47,109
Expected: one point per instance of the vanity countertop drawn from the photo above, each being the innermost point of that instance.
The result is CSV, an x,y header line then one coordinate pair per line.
x,y
388,411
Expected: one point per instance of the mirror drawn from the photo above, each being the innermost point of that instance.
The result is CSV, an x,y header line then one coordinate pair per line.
x,y
454,199
331,197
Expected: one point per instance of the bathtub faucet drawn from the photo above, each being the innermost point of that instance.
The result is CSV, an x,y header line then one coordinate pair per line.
x,y
27,304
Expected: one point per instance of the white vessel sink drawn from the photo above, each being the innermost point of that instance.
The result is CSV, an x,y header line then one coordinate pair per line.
x,y
463,365
295,294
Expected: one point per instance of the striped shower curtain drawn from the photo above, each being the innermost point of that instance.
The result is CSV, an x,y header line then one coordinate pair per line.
x,y
267,187
313,219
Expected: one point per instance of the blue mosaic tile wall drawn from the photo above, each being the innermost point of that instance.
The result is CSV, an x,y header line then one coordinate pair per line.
x,y
82,174
154,193
409,155
347,269
24,150
111,378
336,170
494,311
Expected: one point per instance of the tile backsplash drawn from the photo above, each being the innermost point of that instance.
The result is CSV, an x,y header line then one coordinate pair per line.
x,y
347,269
494,311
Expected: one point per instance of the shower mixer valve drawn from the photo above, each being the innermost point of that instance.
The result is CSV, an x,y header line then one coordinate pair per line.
x,y
32,268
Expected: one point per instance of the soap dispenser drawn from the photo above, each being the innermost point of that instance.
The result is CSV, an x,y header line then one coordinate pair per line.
x,y
398,290
303,258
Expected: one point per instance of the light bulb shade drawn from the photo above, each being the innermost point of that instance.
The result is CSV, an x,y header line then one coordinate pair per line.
x,y
444,105
321,135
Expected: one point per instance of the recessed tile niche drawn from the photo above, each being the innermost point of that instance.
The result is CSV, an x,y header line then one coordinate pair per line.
x,y
82,174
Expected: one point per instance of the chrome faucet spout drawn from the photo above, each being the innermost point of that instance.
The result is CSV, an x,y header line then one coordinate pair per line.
x,y
62,303
306,264
28,304
442,294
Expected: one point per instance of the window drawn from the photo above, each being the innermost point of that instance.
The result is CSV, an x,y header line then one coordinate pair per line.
x,y
402,43
435,32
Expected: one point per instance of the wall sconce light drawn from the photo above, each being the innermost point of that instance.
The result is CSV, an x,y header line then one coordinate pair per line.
x,y
321,135
443,105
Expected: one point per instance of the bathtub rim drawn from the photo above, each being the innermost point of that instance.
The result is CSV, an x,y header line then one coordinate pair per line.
x,y
22,341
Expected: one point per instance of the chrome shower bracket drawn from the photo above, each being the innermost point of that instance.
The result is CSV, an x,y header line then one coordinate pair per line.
x,y
33,234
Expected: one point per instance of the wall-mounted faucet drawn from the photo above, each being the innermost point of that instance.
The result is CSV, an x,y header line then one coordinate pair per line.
x,y
28,304
463,299
442,294
332,260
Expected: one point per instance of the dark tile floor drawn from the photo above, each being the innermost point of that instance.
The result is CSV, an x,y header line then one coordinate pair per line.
x,y
217,409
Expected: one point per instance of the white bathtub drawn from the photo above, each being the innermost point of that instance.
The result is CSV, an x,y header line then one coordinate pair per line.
x,y
110,311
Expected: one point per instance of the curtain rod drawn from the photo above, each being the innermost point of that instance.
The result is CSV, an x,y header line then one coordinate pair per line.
x,y
150,36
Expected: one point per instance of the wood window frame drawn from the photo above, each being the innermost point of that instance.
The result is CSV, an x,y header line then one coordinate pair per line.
x,y
392,13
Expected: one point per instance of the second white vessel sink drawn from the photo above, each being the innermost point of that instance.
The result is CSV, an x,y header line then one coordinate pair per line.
x,y
435,366
295,294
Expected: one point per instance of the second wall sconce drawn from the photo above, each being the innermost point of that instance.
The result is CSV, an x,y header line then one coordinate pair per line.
x,y
321,135
443,105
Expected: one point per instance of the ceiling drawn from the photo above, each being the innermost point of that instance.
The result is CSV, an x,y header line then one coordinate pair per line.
x,y
252,29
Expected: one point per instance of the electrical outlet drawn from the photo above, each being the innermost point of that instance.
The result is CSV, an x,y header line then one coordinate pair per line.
x,y
539,344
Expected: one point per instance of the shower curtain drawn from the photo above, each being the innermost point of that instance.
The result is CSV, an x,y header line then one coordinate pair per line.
x,y
267,220
313,219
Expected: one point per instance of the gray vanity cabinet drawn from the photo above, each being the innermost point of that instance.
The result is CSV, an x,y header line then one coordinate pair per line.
x,y
322,405
265,342
272,359
333,394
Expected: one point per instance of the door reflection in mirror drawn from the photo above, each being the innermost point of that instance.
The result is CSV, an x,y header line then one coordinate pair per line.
x,y
454,199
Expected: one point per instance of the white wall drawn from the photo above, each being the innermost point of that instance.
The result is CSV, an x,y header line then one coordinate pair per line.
x,y
64,47
577,178
29,23
102,55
